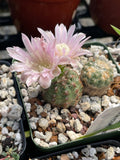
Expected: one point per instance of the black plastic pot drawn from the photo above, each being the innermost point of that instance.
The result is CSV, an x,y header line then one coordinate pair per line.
x,y
37,151
23,151
78,148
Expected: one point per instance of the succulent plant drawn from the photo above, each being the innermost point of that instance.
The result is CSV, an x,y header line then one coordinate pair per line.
x,y
96,76
65,89
10,153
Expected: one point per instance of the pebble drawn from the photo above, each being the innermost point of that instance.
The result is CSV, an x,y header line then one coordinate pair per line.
x,y
37,140
44,144
62,138
3,94
4,82
95,107
25,99
65,113
4,130
10,82
84,99
1,149
5,68
85,106
15,126
86,151
61,127
33,91
115,99
48,136
9,123
18,137
39,109
77,125
75,154
43,123
4,111
105,101
92,152
58,117
15,113
70,156
20,147
34,119
72,135
64,157
101,149
39,135
3,120
47,106
12,91
24,92
33,125
52,144
27,107
85,117
117,150
110,153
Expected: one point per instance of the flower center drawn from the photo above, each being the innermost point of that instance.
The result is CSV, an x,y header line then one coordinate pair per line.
x,y
62,49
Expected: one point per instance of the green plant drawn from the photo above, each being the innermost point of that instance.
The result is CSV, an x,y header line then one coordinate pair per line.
x,y
117,30
96,76
10,153
65,90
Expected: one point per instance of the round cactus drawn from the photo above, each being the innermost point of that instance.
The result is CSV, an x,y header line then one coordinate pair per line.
x,y
65,90
96,76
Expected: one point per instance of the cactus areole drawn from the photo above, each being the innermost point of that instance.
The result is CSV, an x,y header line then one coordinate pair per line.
x,y
65,90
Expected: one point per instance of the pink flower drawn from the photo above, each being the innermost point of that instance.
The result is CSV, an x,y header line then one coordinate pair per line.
x,y
37,63
66,44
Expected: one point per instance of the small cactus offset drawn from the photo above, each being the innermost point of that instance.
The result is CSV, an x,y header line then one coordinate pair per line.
x,y
65,90
96,76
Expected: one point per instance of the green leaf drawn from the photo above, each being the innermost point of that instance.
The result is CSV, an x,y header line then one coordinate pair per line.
x,y
117,30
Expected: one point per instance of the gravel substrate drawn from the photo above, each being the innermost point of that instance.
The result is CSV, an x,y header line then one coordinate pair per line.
x,y
51,125
10,114
100,152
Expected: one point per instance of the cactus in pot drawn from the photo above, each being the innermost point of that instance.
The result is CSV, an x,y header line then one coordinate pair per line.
x,y
65,90
44,58
96,76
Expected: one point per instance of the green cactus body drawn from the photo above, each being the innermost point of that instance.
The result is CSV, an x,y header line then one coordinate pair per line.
x,y
65,90
96,76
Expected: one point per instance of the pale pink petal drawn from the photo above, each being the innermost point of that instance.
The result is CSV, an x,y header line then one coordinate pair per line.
x,y
63,33
45,82
81,44
74,62
57,33
64,60
71,31
19,67
48,35
13,52
82,52
29,81
56,72
27,43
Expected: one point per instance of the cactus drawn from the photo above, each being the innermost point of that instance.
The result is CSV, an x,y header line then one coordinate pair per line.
x,y
65,90
96,76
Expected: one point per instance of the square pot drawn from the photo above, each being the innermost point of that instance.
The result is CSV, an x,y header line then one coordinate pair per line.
x,y
37,151
21,127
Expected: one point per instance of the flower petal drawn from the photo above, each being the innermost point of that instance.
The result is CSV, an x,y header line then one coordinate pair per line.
x,y
45,82
27,43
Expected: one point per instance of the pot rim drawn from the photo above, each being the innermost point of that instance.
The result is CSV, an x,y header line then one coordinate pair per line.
x,y
52,1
